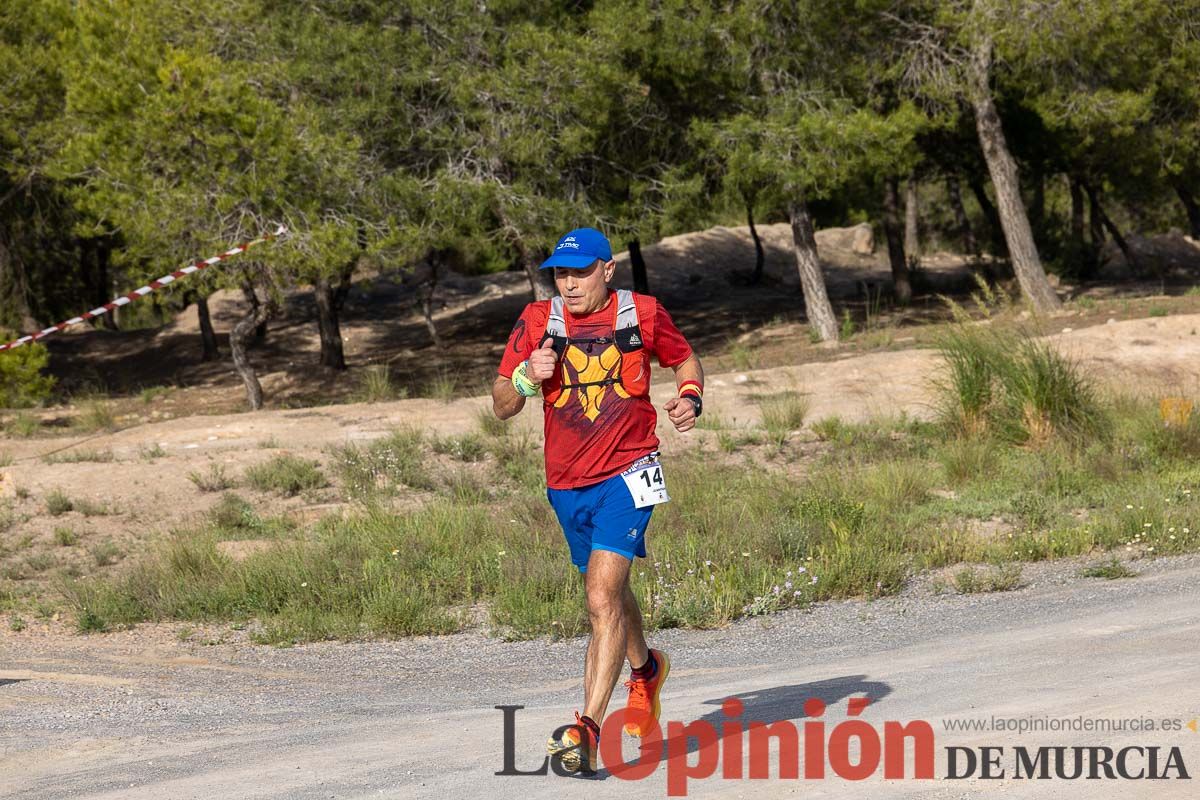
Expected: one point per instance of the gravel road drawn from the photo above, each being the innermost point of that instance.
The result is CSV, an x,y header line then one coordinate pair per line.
x,y
140,714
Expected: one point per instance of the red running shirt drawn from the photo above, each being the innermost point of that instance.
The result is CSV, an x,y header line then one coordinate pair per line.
x,y
596,433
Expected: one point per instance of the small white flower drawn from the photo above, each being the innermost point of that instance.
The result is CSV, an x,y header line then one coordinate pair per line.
x,y
745,554
708,563
814,578
787,584
1172,536
1147,525
802,570
1128,506
796,594
304,584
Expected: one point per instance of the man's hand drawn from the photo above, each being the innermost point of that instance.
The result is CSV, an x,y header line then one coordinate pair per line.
x,y
542,362
682,413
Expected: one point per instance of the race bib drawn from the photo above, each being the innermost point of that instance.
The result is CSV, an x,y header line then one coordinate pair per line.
x,y
646,483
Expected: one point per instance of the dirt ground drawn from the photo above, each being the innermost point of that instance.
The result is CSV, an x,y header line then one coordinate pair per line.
x,y
154,713
145,488
131,484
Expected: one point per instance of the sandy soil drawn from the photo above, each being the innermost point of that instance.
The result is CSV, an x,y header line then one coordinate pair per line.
x,y
146,489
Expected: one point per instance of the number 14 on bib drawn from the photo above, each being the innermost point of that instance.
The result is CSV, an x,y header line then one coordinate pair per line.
x,y
646,484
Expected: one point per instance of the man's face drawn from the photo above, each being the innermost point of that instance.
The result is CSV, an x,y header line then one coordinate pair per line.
x,y
585,290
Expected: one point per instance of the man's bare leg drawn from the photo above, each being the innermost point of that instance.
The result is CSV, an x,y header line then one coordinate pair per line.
x,y
636,649
606,582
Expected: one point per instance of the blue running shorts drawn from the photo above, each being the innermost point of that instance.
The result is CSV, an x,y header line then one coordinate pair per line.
x,y
601,517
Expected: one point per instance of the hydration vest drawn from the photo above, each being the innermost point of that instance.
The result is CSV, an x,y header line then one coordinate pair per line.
x,y
620,362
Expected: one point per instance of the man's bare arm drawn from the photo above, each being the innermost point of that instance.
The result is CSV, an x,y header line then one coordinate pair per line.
x,y
689,370
681,412
505,400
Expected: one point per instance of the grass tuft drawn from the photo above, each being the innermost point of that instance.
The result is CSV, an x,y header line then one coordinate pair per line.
x,y
782,413
286,474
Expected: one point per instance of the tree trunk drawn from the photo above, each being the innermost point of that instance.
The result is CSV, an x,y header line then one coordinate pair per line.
x,y
14,291
1098,214
541,281
1003,170
912,214
816,301
260,330
760,258
1095,226
1076,214
329,328
103,257
637,265
1037,208
1190,205
330,298
425,291
999,246
208,337
1078,251
961,220
239,339
902,285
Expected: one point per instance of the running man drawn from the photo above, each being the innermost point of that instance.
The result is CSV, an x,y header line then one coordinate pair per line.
x,y
588,352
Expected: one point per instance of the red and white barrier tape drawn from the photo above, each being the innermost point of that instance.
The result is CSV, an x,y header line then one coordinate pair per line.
x,y
143,291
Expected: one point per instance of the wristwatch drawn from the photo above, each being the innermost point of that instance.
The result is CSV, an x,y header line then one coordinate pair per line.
x,y
697,403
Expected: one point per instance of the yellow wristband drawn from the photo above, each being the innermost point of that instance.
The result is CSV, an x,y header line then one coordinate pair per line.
x,y
522,383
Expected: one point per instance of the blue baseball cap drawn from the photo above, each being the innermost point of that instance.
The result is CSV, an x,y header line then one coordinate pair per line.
x,y
579,249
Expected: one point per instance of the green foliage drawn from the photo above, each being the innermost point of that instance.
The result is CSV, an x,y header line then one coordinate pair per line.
x,y
782,413
375,385
379,468
22,384
65,537
1015,387
58,503
214,480
1109,570
286,474
1003,578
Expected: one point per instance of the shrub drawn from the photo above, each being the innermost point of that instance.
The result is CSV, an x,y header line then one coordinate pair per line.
x,y
375,385
58,503
782,413
286,474
22,383
215,480
1014,387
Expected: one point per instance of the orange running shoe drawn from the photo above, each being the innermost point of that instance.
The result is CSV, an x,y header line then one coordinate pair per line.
x,y
578,746
643,697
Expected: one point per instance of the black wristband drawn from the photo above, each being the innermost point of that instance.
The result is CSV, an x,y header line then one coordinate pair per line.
x,y
697,403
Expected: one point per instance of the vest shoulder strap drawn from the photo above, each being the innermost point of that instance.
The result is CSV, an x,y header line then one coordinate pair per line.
x,y
628,330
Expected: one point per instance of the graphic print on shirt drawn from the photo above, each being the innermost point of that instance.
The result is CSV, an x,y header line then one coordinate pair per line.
x,y
588,378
